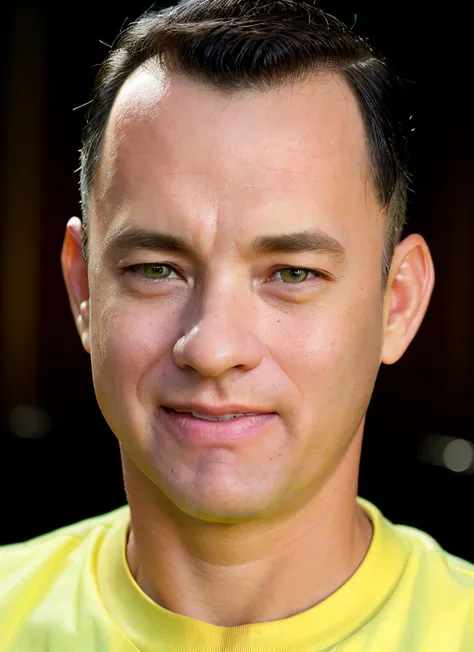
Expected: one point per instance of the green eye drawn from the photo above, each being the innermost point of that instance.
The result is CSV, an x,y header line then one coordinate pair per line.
x,y
156,272
293,275
151,272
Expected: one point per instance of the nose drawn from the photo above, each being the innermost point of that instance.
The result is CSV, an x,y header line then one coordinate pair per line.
x,y
225,336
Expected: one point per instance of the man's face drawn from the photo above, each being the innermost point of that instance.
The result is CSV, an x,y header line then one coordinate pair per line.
x,y
224,324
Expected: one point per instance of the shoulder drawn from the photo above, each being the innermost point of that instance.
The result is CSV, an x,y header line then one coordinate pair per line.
x,y
434,563
426,569
433,595
44,556
425,558
438,588
50,575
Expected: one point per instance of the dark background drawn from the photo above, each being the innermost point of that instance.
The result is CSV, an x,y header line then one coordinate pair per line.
x,y
59,462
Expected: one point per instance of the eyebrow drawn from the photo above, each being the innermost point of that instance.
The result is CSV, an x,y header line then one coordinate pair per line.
x,y
304,241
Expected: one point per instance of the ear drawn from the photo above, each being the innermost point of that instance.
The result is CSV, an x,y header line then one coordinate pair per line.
x,y
75,276
407,295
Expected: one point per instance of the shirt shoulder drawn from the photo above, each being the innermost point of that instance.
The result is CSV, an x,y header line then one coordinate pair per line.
x,y
52,544
430,605
429,557
437,589
43,577
425,559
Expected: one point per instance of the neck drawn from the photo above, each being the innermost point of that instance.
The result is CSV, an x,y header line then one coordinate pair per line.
x,y
258,571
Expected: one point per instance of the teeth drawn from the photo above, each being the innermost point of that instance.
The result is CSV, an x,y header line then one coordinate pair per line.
x,y
223,417
208,417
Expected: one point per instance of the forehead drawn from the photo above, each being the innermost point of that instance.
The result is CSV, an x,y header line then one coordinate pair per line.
x,y
170,139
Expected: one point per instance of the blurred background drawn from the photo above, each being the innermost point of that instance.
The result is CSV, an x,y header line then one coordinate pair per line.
x,y
59,462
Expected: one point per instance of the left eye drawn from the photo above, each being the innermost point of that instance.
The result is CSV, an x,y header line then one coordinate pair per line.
x,y
152,271
294,275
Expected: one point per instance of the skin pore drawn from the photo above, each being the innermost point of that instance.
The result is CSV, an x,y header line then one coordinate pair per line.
x,y
259,530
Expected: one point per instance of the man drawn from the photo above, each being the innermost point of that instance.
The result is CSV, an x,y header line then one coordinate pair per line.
x,y
238,277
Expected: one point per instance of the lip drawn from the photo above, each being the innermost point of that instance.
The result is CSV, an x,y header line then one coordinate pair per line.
x,y
189,428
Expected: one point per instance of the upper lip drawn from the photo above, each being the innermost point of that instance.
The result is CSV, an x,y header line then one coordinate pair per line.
x,y
216,410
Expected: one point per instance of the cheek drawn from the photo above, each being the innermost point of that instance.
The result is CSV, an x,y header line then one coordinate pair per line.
x,y
127,343
331,356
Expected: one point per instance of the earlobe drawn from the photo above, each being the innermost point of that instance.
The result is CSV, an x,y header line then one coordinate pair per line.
x,y
407,296
75,277
83,321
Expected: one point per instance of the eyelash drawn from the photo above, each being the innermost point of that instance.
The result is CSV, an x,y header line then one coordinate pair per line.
x,y
134,269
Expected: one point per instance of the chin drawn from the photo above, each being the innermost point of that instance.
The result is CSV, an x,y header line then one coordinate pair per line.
x,y
223,506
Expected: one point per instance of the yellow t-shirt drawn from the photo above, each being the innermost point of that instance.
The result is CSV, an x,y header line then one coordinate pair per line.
x,y
72,591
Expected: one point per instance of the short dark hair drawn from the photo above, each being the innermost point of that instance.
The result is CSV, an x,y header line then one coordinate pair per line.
x,y
257,44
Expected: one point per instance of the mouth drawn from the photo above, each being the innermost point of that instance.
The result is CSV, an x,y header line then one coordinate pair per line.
x,y
200,427
211,417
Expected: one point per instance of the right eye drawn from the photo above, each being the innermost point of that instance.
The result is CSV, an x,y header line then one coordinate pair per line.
x,y
152,271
